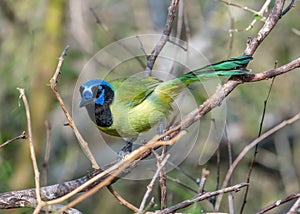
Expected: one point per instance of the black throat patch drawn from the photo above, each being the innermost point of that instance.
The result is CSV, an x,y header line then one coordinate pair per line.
x,y
101,114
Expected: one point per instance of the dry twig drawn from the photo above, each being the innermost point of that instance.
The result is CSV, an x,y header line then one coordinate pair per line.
x,y
83,143
280,202
32,152
201,197
21,136
163,39
151,184
250,146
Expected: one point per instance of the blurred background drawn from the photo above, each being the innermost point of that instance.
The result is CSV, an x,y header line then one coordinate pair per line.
x,y
32,35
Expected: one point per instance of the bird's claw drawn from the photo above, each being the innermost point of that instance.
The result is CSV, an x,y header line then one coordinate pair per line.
x,y
125,150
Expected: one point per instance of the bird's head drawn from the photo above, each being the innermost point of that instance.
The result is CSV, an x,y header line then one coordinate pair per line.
x,y
96,92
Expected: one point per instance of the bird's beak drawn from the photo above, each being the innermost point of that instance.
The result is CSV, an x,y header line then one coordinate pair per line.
x,y
85,102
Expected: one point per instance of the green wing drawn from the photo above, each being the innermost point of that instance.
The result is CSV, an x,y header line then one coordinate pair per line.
x,y
134,90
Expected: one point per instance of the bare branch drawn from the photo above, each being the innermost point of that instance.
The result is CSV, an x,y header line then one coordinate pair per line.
x,y
204,175
271,21
47,151
256,147
32,152
21,136
250,146
296,207
163,39
200,197
116,169
122,200
150,186
278,203
83,143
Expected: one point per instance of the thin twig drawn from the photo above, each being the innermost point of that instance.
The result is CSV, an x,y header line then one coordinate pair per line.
x,y
150,204
188,175
270,23
151,184
32,152
177,181
121,199
288,8
98,20
250,146
111,35
258,15
256,147
163,39
21,136
218,171
229,150
53,82
278,203
204,175
162,178
295,208
201,197
47,151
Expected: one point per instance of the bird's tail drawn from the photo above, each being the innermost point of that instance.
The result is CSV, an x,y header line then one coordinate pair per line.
x,y
228,67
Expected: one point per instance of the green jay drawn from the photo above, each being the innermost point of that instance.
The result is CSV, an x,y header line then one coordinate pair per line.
x,y
126,107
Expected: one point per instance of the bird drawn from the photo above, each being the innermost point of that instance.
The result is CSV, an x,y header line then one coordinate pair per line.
x,y
126,107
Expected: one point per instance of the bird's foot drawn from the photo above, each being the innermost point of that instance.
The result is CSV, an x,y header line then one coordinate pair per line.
x,y
125,150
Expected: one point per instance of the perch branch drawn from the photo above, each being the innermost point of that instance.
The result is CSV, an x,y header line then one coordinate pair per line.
x,y
118,168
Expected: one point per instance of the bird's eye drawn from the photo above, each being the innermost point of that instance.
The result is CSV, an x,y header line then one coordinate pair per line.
x,y
81,89
97,90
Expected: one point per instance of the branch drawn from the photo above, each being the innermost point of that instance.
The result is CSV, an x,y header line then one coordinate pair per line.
x,y
296,207
111,173
250,146
278,203
21,136
163,39
150,186
32,152
122,200
272,73
201,197
53,82
270,23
